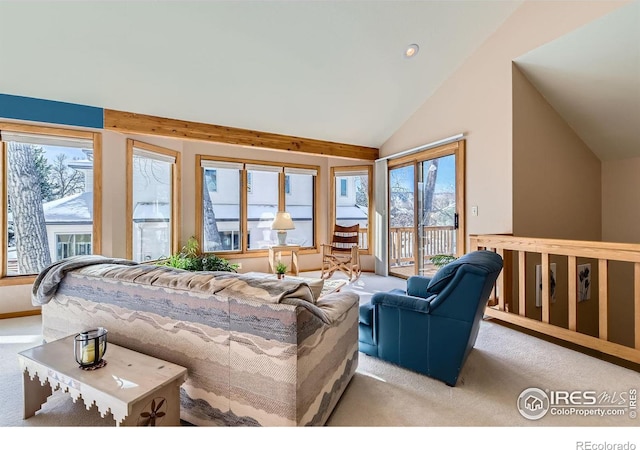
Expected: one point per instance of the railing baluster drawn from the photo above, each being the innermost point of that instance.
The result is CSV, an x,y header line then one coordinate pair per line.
x,y
603,299
473,243
522,283
546,303
500,283
573,292
636,302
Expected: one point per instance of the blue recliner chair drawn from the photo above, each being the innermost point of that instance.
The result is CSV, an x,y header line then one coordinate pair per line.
x,y
432,326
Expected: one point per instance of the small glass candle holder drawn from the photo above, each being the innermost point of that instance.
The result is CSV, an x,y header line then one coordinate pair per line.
x,y
89,347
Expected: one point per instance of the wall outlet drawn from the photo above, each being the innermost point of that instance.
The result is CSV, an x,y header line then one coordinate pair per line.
x,y
239,265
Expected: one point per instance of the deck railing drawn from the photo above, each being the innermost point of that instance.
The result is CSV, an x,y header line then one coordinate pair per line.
x,y
437,241
401,245
363,238
507,300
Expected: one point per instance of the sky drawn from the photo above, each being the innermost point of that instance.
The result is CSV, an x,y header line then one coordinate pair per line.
x,y
445,182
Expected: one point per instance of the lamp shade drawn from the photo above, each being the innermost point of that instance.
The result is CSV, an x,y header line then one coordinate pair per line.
x,y
282,221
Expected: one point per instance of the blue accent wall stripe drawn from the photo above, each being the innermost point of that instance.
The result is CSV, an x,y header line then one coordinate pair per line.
x,y
49,111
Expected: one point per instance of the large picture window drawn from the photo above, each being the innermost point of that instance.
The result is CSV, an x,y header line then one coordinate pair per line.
x,y
237,218
153,197
50,207
351,199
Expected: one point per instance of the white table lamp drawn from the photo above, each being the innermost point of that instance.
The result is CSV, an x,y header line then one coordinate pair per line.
x,y
282,223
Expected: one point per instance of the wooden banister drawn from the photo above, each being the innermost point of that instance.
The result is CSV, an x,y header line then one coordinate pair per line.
x,y
603,252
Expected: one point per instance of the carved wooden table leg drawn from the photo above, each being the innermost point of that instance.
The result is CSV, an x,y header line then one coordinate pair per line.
x,y
35,394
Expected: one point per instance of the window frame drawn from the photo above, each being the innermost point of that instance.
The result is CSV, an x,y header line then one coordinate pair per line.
x,y
96,231
176,171
244,251
342,171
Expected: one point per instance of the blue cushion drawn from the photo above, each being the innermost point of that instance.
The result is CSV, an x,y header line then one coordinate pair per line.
x,y
417,286
485,259
366,314
442,278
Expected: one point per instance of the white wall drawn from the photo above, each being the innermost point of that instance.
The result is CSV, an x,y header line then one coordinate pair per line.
x,y
477,100
621,200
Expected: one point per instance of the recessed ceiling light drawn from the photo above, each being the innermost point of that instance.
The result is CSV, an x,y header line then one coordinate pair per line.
x,y
411,51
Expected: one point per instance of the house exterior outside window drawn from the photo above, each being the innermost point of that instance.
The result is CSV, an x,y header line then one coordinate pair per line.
x,y
351,199
270,188
220,220
72,245
49,197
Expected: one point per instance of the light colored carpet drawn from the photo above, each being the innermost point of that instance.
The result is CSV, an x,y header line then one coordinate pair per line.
x,y
503,364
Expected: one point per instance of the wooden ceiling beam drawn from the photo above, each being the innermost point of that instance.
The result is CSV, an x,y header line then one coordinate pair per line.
x,y
126,122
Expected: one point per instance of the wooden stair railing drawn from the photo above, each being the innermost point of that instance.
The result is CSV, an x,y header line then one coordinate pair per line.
x,y
501,300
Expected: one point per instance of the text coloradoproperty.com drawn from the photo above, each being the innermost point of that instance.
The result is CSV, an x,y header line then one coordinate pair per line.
x,y
571,410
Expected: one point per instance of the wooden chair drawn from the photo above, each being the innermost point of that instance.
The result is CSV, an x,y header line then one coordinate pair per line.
x,y
343,253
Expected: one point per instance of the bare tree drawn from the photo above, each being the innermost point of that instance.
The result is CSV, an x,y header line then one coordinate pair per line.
x,y
401,203
429,189
25,196
362,192
64,180
210,226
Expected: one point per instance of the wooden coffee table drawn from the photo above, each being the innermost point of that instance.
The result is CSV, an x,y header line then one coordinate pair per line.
x,y
137,389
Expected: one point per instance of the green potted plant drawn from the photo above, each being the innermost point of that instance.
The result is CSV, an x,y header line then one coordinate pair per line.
x,y
442,260
190,258
281,269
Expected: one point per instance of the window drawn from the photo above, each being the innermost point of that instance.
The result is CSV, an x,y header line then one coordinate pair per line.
x,y
343,187
72,245
152,201
212,180
262,206
301,205
52,210
278,188
350,199
220,219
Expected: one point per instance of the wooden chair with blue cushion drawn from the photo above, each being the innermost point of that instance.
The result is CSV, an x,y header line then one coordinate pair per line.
x,y
432,326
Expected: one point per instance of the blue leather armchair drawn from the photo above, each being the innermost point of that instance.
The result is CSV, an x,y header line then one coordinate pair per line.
x,y
432,326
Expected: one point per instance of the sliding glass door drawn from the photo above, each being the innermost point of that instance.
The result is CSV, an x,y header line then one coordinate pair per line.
x,y
426,201
437,216
402,206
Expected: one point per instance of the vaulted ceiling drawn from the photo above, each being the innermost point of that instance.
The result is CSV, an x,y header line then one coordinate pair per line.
x,y
591,77
329,70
